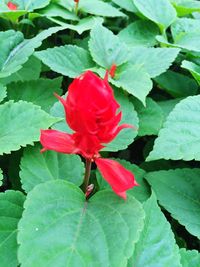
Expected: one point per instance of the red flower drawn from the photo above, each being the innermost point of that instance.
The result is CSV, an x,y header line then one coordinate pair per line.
x,y
11,6
92,113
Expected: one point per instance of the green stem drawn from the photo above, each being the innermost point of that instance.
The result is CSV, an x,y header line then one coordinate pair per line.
x,y
87,174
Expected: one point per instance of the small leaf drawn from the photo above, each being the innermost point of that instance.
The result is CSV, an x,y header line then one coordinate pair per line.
x,y
156,246
68,60
106,48
154,60
134,79
186,7
153,10
74,231
100,8
20,125
189,258
193,68
178,192
11,207
1,177
128,5
31,4
177,84
15,50
29,71
3,92
150,117
139,33
39,92
38,168
179,138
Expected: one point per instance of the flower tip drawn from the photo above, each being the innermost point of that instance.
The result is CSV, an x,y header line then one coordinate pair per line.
x,y
113,70
11,6
43,150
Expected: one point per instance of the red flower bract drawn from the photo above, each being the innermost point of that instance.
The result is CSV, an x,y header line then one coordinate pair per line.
x,y
92,113
11,6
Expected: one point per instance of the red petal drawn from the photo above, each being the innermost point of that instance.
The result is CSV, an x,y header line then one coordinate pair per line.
x,y
58,141
119,178
11,6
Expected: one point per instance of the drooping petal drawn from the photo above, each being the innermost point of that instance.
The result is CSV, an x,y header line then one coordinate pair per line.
x,y
119,178
58,141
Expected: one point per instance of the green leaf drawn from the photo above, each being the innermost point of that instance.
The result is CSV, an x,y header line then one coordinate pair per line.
x,y
150,117
74,231
29,71
168,105
177,84
100,8
153,10
134,79
3,92
129,116
69,60
106,48
39,92
38,168
139,33
186,7
179,138
11,207
154,60
1,177
141,192
193,68
128,5
156,246
15,50
31,4
20,125
189,258
189,41
178,192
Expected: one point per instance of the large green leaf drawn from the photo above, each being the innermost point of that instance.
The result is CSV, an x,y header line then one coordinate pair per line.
x,y
177,84
11,207
184,25
156,246
69,231
29,71
139,33
134,79
106,48
179,138
100,8
190,258
3,92
150,117
30,5
178,191
15,50
193,68
154,60
159,11
20,125
69,60
38,168
141,192
129,116
39,92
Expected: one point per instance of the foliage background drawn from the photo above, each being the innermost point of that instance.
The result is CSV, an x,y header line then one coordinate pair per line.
x,y
156,46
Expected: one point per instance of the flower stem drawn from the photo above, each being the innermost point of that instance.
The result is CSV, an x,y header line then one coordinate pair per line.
x,y
87,174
